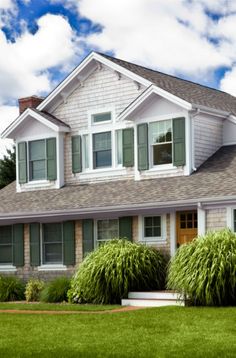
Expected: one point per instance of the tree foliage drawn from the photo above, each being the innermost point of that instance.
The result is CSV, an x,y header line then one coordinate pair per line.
x,y
8,168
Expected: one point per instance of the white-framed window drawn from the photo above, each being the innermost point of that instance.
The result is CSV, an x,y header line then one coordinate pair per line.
x,y
102,143
104,117
37,160
105,230
52,244
102,150
6,245
152,228
160,139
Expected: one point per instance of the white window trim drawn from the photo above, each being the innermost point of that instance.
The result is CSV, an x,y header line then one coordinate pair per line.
x,y
111,126
230,217
163,168
152,240
44,183
49,267
95,228
7,268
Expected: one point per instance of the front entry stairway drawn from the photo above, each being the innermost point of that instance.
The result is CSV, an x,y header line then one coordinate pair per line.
x,y
153,299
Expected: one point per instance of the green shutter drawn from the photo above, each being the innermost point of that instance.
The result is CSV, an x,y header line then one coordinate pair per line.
x,y
68,243
179,141
51,159
142,134
76,154
22,162
128,147
18,245
88,236
125,228
35,244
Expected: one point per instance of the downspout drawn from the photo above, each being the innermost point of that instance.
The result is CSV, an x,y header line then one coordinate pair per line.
x,y
192,115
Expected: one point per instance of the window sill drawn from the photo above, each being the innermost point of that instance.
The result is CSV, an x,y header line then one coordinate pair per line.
x,y
52,268
103,172
157,241
7,268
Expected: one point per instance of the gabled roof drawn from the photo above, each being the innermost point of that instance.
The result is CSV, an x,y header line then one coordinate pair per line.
x,y
214,182
45,118
191,92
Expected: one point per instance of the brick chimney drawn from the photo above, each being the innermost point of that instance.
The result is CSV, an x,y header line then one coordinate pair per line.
x,y
29,102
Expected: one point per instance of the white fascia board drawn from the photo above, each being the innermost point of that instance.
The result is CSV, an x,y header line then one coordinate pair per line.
x,y
232,118
167,206
74,74
29,113
148,92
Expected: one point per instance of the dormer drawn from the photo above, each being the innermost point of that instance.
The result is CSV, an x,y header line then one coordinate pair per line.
x,y
39,139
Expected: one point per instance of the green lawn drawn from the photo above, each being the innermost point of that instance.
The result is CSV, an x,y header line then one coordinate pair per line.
x,y
158,332
54,307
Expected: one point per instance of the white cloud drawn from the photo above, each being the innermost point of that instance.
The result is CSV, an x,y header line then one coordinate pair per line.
x,y
26,63
24,66
228,82
169,35
7,115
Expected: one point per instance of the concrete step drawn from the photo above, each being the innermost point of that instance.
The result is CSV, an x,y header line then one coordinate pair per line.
x,y
162,295
151,302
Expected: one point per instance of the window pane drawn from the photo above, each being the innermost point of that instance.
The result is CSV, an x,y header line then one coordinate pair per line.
x,y
162,154
37,150
157,231
102,159
148,221
52,232
152,226
119,150
5,235
107,229
52,253
148,232
160,132
38,170
6,254
101,117
102,141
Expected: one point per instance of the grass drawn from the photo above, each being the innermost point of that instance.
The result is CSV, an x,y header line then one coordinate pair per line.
x,y
54,307
157,332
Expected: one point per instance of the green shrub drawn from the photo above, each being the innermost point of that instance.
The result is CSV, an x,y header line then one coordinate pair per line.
x,y
205,269
55,290
115,268
33,290
11,289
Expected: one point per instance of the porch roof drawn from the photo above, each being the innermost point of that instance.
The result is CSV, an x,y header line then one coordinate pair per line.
x,y
214,181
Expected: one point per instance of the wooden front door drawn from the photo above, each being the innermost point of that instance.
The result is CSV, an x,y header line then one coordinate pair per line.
x,y
186,229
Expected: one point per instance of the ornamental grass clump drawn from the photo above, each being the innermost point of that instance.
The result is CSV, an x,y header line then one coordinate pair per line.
x,y
205,269
11,289
55,290
115,268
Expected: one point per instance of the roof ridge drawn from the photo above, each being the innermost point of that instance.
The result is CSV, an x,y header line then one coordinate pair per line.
x,y
166,74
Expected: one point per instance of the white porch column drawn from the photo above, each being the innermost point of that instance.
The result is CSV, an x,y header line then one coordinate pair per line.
x,y
173,241
201,219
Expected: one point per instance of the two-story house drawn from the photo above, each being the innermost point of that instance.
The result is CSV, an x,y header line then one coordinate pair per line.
x,y
116,150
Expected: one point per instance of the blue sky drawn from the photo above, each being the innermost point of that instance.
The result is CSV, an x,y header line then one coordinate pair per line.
x,y
41,41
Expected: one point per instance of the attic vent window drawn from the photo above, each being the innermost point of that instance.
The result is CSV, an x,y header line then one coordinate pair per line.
x,y
101,117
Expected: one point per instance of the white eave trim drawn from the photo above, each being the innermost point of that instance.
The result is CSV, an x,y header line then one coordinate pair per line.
x,y
171,205
99,58
30,113
147,93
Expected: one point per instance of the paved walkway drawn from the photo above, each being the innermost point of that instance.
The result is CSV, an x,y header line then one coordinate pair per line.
x,y
116,310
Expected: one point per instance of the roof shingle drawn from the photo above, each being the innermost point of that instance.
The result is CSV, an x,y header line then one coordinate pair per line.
x,y
214,179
